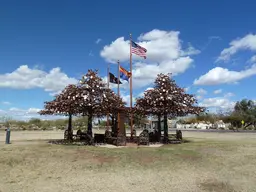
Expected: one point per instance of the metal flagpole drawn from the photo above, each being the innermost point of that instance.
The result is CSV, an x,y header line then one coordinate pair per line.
x,y
118,93
108,88
131,84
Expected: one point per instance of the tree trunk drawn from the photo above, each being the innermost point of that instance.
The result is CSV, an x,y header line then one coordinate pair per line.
x,y
165,127
113,123
70,132
159,128
89,129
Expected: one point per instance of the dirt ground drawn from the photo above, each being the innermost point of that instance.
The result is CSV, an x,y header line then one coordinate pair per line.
x,y
221,162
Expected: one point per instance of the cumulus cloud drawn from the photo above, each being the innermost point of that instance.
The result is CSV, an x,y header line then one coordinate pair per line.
x,y
186,89
29,111
218,91
217,102
229,94
27,114
29,78
126,98
219,75
199,97
248,42
142,93
190,51
253,59
165,55
201,91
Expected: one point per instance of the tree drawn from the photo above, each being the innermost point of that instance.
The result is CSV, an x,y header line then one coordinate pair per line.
x,y
148,105
98,99
168,100
112,104
244,110
66,103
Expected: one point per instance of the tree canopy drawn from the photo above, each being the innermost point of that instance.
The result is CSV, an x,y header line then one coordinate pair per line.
x,y
244,110
166,98
90,97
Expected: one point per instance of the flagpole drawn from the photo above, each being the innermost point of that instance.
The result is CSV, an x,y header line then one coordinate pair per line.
x,y
118,72
118,93
108,88
131,84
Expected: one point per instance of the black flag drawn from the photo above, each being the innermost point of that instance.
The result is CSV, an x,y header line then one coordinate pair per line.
x,y
113,79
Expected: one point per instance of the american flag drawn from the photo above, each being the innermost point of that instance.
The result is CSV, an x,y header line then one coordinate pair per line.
x,y
138,50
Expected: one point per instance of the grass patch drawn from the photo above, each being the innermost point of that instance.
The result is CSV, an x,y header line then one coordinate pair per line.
x,y
200,164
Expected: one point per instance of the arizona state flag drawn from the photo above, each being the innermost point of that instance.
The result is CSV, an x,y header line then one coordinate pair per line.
x,y
113,79
124,74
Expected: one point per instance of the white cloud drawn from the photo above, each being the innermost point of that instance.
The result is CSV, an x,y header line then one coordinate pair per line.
x,y
164,55
201,91
218,91
26,114
28,78
29,111
190,51
229,94
126,98
186,89
142,93
199,97
6,103
98,41
248,42
219,75
217,102
21,114
253,59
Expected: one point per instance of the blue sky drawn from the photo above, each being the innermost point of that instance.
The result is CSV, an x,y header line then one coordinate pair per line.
x,y
45,45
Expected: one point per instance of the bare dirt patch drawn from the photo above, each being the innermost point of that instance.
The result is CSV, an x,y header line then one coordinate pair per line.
x,y
217,186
